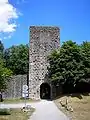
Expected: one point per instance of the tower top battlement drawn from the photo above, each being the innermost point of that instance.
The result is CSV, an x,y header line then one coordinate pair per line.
x,y
44,28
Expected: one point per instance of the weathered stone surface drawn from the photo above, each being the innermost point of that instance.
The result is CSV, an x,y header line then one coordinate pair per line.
x,y
42,41
14,88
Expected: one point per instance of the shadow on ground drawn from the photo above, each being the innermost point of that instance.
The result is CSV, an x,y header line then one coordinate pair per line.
x,y
4,112
81,89
78,95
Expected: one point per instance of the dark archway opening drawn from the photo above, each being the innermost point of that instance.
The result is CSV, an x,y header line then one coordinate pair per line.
x,y
45,91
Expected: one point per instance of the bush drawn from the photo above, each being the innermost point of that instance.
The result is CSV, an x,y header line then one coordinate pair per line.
x,y
4,112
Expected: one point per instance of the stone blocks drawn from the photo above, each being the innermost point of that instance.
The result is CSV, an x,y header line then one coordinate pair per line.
x,y
43,39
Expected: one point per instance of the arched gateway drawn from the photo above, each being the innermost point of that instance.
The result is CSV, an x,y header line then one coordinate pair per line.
x,y
45,91
43,40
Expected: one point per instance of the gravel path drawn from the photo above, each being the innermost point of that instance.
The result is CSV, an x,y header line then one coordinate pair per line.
x,y
45,110
18,105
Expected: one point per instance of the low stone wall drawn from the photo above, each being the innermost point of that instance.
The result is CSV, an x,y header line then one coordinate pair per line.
x,y
14,88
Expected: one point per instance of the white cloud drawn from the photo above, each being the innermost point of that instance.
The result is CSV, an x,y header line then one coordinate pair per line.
x,y
8,13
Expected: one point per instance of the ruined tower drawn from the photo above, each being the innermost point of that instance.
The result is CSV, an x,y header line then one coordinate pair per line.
x,y
43,39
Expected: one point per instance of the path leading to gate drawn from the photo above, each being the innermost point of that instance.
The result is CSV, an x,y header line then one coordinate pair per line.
x,y
45,110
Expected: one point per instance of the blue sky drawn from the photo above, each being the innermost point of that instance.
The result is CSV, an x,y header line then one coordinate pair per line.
x,y
72,16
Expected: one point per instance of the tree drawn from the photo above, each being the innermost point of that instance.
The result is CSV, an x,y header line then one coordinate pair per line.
x,y
1,49
4,76
85,47
4,72
66,64
17,59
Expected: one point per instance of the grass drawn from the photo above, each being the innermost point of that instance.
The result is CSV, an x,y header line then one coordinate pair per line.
x,y
4,112
18,100
15,114
80,104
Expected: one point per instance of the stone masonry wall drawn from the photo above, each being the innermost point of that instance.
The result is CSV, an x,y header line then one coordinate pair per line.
x,y
42,41
14,88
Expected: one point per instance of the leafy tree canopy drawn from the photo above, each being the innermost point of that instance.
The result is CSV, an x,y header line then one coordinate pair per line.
x,y
17,59
70,64
85,47
4,72
1,49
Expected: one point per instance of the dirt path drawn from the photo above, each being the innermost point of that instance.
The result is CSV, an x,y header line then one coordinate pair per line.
x,y
45,110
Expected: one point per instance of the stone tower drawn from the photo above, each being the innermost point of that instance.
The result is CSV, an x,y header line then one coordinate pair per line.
x,y
43,39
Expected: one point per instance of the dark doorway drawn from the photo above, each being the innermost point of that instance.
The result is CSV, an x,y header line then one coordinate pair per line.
x,y
45,91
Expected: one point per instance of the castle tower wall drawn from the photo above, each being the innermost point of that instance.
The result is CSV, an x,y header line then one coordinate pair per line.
x,y
42,41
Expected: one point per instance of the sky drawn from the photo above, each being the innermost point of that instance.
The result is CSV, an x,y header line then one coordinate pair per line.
x,y
71,16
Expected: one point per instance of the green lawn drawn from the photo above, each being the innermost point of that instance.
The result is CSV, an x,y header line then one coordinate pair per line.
x,y
15,114
19,100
